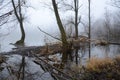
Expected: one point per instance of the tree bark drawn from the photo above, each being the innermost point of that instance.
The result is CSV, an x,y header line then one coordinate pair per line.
x,y
89,34
76,5
20,20
62,31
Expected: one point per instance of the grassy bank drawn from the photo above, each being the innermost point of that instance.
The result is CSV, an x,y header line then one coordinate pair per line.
x,y
102,69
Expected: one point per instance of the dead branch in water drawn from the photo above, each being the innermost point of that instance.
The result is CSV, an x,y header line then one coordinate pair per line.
x,y
51,69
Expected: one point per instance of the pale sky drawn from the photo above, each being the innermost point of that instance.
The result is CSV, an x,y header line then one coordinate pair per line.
x,y
43,15
99,6
45,18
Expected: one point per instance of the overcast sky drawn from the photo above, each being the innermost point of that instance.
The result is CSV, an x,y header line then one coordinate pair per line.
x,y
43,15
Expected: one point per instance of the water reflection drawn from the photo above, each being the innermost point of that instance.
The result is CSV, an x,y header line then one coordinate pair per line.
x,y
33,38
32,71
106,51
76,56
81,56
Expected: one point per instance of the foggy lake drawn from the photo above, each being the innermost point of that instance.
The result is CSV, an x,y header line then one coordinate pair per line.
x,y
36,38
57,40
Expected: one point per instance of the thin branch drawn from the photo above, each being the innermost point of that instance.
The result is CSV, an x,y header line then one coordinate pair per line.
x,y
3,23
69,5
80,6
79,21
3,16
19,4
83,24
48,34
6,14
29,6
15,11
48,5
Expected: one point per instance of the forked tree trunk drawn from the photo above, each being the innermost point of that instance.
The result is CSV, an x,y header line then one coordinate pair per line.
x,y
20,20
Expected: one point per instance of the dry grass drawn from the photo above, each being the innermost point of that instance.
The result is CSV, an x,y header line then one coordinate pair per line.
x,y
97,69
117,59
95,64
102,69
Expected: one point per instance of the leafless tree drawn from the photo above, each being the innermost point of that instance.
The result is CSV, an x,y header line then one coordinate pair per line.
x,y
107,24
65,44
116,28
5,17
74,6
115,31
89,17
20,18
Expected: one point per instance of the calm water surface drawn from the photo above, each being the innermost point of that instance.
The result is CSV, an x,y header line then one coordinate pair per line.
x,y
36,38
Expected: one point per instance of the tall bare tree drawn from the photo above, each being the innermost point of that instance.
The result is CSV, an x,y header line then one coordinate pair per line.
x,y
65,45
89,17
74,6
18,14
107,24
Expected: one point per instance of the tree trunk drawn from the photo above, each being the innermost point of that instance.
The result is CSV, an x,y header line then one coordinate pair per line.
x,y
20,20
62,31
76,18
21,41
89,34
